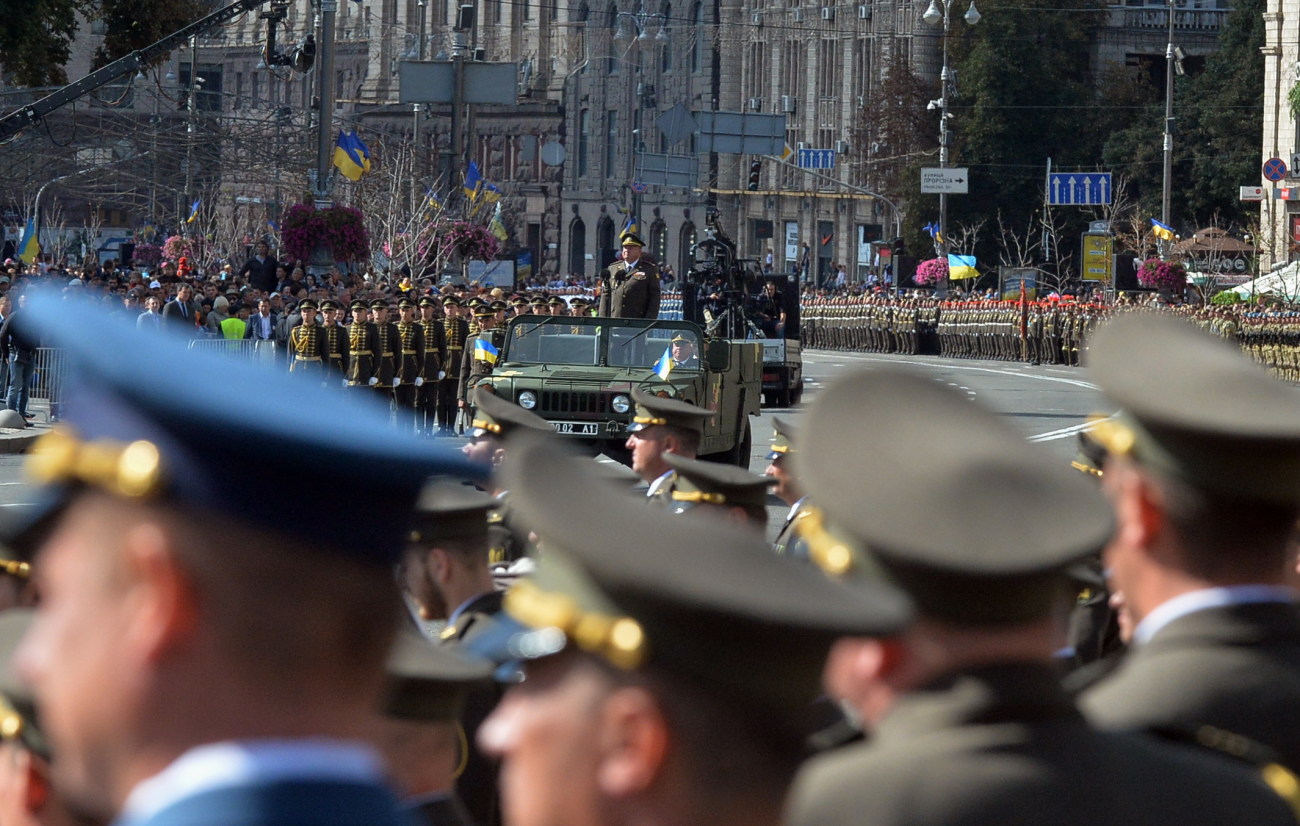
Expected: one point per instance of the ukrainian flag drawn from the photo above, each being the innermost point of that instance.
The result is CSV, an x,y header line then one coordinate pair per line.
x,y
484,351
362,150
489,193
1162,231
194,210
473,180
497,227
935,234
961,266
347,159
432,200
29,247
664,366
630,227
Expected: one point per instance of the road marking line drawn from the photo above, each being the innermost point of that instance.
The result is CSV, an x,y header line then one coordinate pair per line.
x,y
1066,432
950,366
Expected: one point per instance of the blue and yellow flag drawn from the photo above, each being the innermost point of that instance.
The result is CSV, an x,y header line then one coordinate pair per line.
x,y
485,351
29,247
347,159
934,231
489,193
432,200
498,227
524,264
1162,231
630,227
362,151
961,266
194,210
473,180
664,366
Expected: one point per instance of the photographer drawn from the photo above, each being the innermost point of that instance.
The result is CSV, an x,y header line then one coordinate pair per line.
x,y
770,308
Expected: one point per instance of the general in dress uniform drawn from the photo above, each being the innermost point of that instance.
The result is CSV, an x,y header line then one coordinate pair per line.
x,y
481,352
780,467
660,426
235,627
967,718
1203,469
683,643
630,288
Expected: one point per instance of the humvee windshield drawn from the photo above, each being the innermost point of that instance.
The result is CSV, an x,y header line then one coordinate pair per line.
x,y
555,340
579,341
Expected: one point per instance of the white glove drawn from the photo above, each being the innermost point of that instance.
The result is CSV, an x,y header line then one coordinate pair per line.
x,y
419,382
344,382
373,381
442,374
396,381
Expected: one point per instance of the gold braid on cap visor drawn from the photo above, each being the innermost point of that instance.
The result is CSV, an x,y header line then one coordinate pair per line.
x,y
484,425
133,471
824,549
648,420
699,496
617,640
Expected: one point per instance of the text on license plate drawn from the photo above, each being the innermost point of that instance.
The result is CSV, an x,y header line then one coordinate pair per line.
x,y
576,428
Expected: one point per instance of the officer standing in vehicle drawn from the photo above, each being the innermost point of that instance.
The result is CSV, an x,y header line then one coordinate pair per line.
x,y
629,288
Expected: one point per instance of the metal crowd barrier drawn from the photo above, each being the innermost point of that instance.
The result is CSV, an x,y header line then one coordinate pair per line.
x,y
243,349
49,377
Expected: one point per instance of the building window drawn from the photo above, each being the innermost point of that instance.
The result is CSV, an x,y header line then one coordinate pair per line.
x,y
584,142
578,248
611,142
605,248
686,241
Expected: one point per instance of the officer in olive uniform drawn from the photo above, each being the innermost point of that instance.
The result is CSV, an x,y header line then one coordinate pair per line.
x,y
730,492
363,345
674,656
410,353
629,288
386,355
968,721
788,488
335,340
478,360
1203,468
419,735
659,426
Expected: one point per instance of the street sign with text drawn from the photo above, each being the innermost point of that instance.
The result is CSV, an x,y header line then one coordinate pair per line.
x,y
1078,188
945,180
1253,193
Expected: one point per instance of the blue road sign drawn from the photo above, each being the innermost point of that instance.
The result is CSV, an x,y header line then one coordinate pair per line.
x,y
1078,188
816,158
1274,169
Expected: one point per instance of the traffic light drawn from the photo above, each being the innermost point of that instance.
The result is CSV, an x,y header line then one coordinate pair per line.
x,y
898,248
755,173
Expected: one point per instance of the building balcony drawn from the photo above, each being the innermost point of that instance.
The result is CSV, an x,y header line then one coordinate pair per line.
x,y
1210,21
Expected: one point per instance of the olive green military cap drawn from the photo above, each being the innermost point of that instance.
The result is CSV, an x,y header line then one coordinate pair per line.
x,y
495,416
18,716
783,439
652,410
978,528
615,473
428,682
450,510
687,597
1194,408
713,483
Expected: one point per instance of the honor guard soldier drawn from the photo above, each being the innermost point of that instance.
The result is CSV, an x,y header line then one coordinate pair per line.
x,y
204,558
475,319
419,732
386,355
629,288
363,344
579,306
731,492
662,425
455,332
307,344
538,306
335,340
446,575
780,466
410,362
481,352
671,658
557,306
1203,471
969,693
494,419
435,359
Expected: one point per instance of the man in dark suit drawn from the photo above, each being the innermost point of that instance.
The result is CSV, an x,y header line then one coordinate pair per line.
x,y
968,721
263,323
260,269
180,311
1203,471
630,288
220,659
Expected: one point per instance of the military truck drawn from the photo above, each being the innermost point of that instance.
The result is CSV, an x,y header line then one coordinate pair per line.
x,y
578,374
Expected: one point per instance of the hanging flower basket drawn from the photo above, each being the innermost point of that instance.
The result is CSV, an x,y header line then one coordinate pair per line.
x,y
178,246
147,255
471,241
339,229
1166,276
931,272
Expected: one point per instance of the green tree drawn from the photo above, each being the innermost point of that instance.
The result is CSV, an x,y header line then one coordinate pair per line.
x,y
134,24
36,38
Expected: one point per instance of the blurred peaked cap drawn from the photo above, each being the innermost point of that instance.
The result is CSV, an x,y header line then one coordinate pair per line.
x,y
19,719
448,509
612,471
713,483
498,417
629,239
684,595
141,414
783,439
652,410
1194,407
976,529
429,682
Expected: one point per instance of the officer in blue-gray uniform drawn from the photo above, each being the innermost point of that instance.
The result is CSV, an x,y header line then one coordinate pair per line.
x,y
211,642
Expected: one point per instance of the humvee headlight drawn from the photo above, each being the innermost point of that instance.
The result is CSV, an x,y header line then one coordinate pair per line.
x,y
621,404
527,400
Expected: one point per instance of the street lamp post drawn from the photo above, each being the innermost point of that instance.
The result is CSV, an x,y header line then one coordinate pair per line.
x,y
940,12
639,93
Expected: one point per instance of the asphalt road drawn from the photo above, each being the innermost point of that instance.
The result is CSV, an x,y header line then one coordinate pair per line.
x,y
1048,404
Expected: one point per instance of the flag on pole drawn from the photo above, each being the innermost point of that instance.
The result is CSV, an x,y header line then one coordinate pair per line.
x,y
473,180
1162,231
29,247
489,193
496,226
961,266
194,210
484,351
362,151
432,200
935,234
664,366
347,159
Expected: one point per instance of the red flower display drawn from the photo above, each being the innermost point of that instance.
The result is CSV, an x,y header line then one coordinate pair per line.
x,y
341,229
931,272
1169,276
